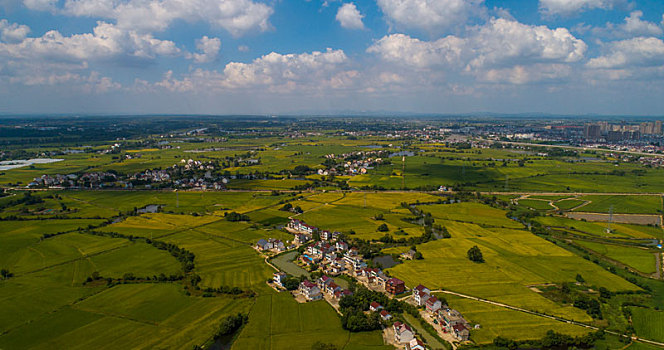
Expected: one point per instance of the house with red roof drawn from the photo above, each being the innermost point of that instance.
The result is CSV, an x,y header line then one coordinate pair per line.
x,y
433,304
395,286
402,332
385,315
461,332
374,306
310,290
415,344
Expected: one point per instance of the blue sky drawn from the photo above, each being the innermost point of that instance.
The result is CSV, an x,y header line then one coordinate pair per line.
x,y
298,56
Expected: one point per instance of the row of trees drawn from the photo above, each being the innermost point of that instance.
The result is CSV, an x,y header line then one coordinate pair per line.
x,y
233,216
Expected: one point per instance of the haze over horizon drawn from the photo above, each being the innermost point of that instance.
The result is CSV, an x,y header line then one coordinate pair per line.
x,y
603,57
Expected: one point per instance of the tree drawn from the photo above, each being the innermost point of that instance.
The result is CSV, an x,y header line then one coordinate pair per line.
x,y
383,228
475,254
323,346
301,170
291,283
579,278
418,256
233,216
231,324
5,274
286,207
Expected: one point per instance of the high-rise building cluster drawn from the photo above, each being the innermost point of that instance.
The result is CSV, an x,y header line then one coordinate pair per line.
x,y
620,132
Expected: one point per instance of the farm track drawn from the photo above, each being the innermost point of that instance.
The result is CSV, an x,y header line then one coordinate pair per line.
x,y
556,318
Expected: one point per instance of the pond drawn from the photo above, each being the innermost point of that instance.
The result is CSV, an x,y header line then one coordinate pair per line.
x,y
386,261
152,208
402,153
13,164
286,264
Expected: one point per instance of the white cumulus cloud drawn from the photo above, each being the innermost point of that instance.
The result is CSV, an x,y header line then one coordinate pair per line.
x,y
350,17
570,7
634,25
401,48
208,50
104,43
430,15
630,53
12,32
499,50
236,16
274,73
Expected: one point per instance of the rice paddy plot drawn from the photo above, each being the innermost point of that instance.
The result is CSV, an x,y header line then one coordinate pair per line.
x,y
24,299
142,316
569,204
535,204
476,213
61,249
139,259
496,321
15,236
599,229
278,322
648,323
623,204
183,202
515,259
224,262
638,258
157,225
385,201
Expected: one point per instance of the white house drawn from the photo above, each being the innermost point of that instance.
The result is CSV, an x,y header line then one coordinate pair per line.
x,y
310,291
278,278
402,332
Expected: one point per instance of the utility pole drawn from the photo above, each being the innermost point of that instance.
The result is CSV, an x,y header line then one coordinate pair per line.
x,y
507,179
608,230
177,199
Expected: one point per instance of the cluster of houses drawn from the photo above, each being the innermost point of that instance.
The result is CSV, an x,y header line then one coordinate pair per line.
x,y
355,163
376,307
271,244
449,320
314,290
190,164
94,179
335,257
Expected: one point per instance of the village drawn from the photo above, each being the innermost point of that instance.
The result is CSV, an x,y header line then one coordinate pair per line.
x,y
331,258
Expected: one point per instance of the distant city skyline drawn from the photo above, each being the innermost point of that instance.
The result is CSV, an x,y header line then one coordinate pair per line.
x,y
603,57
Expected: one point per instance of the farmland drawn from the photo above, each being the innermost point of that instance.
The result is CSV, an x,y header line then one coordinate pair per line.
x,y
640,259
495,321
279,322
515,259
152,243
